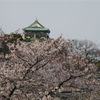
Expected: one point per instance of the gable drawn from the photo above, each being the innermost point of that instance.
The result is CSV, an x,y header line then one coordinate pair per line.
x,y
36,24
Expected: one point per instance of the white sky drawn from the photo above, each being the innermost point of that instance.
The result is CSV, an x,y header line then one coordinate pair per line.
x,y
78,19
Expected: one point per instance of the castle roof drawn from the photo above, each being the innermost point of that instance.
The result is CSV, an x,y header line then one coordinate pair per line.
x,y
36,27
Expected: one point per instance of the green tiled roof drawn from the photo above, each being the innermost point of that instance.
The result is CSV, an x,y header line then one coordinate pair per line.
x,y
36,26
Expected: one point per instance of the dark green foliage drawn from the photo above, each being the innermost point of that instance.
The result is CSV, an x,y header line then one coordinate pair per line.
x,y
98,65
4,48
14,37
42,35
42,39
27,39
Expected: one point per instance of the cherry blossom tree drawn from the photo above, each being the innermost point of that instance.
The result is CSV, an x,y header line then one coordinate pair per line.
x,y
48,70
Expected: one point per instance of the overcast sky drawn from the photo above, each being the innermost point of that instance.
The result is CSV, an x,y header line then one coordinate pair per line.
x,y
75,19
